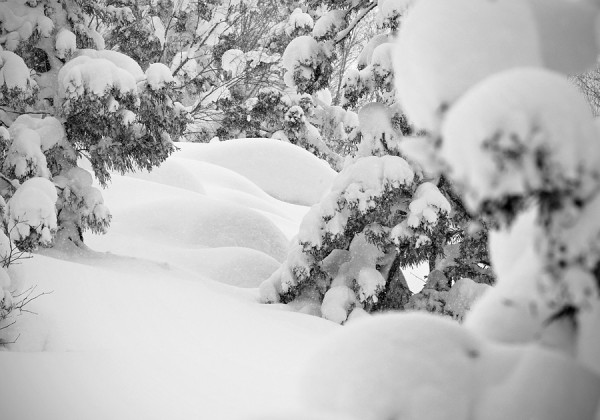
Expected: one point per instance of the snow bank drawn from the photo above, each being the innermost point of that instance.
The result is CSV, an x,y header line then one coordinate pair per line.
x,y
287,172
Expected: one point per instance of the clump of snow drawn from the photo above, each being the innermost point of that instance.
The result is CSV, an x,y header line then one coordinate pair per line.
x,y
158,75
31,210
299,20
234,62
425,206
521,131
300,55
14,72
217,93
381,60
365,56
95,75
66,43
375,124
337,302
328,23
50,130
159,30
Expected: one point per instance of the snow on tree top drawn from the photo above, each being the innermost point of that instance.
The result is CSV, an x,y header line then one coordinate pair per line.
x,y
520,131
157,75
444,47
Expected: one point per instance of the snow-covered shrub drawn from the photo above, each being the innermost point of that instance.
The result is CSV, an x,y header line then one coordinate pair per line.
x,y
349,251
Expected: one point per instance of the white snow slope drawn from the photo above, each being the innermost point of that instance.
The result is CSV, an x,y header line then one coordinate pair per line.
x,y
159,319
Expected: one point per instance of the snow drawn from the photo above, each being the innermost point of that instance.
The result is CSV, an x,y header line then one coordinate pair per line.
x,y
50,130
477,37
158,75
341,375
85,74
364,58
160,318
428,367
234,62
66,43
149,322
14,72
24,156
330,21
300,53
254,159
525,112
299,19
31,210
427,203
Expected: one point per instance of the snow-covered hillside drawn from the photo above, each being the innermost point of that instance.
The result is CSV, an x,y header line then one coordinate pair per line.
x,y
159,319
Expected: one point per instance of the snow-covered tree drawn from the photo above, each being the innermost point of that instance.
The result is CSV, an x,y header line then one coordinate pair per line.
x,y
222,53
64,97
487,83
403,222
522,145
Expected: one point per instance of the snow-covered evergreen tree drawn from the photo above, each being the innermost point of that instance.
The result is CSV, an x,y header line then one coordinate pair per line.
x,y
64,97
405,223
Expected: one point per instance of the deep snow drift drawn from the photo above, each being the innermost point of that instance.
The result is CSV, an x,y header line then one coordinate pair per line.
x,y
147,324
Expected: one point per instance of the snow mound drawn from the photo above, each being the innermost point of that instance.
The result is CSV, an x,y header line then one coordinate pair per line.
x,y
203,222
286,172
409,366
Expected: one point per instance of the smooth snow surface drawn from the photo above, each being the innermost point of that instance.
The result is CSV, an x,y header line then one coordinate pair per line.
x,y
264,162
160,319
